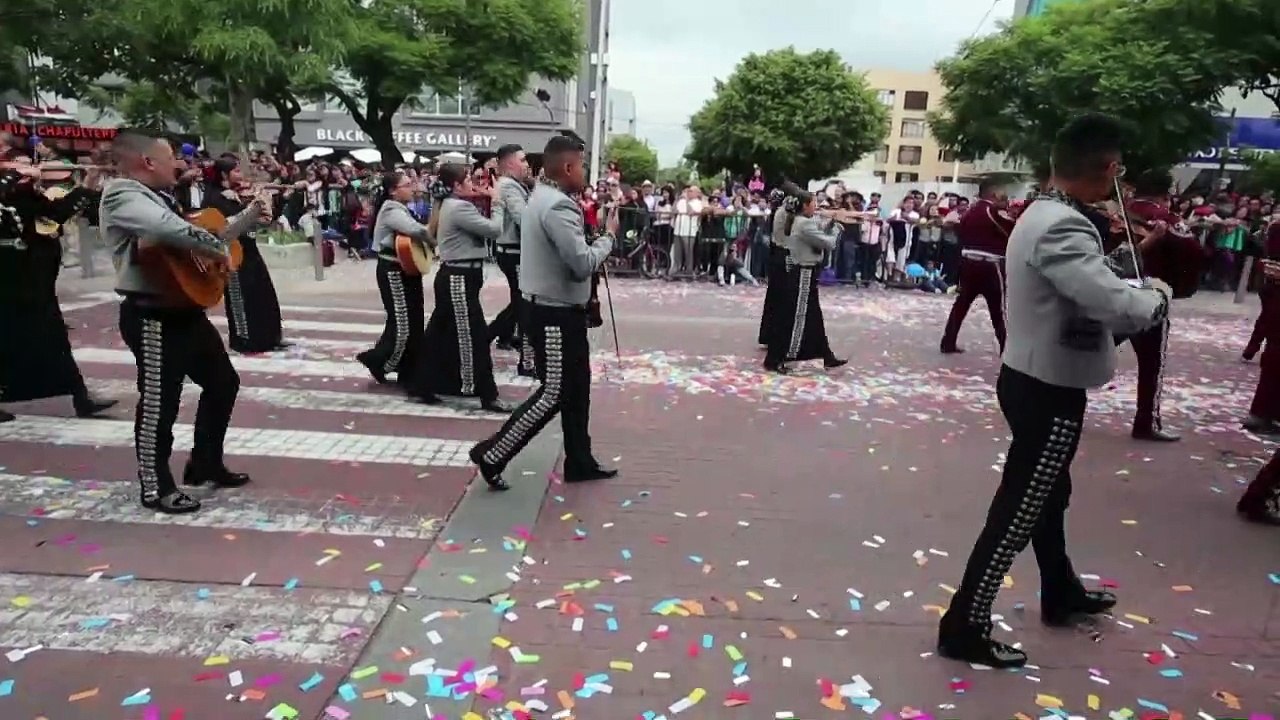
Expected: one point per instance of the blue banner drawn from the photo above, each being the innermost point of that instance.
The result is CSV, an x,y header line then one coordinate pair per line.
x,y
1243,135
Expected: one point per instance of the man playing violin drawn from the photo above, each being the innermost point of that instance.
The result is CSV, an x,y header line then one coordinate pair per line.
x,y
35,352
1169,251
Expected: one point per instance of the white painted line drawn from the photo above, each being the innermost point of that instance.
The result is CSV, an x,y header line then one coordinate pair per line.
x,y
327,309
253,442
117,502
292,326
329,401
159,618
280,365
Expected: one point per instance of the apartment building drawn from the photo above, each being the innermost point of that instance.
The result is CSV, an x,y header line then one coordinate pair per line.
x,y
910,153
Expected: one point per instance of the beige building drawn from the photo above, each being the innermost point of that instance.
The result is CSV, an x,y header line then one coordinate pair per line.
x,y
910,154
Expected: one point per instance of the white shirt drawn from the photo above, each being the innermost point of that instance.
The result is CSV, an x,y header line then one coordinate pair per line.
x,y
687,216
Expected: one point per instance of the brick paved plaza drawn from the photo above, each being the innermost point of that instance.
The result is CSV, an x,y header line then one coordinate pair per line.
x,y
774,548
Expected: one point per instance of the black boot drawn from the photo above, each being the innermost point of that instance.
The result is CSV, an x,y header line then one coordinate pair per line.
x,y
832,362
173,502
492,475
1156,435
7,416
972,645
588,471
377,374
496,405
1068,612
195,475
87,406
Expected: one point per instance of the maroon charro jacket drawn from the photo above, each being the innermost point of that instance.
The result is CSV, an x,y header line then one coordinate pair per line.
x,y
985,227
1175,258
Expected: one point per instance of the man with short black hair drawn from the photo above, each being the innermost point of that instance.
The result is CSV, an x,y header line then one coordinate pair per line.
x,y
1065,306
513,168
556,267
984,235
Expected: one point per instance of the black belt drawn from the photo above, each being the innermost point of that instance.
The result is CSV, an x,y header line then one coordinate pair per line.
x,y
464,263
555,305
507,249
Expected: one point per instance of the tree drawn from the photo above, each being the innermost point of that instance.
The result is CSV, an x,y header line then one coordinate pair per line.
x,y
799,116
1012,91
1264,172
487,51
679,175
144,104
637,161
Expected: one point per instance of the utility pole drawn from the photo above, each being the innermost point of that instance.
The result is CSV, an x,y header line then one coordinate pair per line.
x,y
465,91
1222,155
598,99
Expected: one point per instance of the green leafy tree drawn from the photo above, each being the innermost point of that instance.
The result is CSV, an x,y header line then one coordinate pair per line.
x,y
677,175
1011,92
1264,172
798,115
397,49
636,160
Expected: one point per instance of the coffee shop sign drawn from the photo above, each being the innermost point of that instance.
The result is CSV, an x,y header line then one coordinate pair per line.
x,y
409,138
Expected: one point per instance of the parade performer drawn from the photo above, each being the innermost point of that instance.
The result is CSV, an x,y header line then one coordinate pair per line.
x,y
777,268
35,352
556,267
1064,305
402,294
983,231
170,340
512,196
253,310
1264,411
1168,250
798,331
454,358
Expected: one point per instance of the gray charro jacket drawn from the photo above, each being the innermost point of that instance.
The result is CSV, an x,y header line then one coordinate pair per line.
x,y
130,211
512,199
556,263
463,231
395,219
1064,303
810,237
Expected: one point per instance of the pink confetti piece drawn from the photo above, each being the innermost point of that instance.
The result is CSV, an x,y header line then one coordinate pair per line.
x,y
268,680
267,636
90,548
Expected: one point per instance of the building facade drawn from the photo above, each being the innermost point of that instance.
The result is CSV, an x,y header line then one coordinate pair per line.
x,y
622,113
440,120
1023,8
910,153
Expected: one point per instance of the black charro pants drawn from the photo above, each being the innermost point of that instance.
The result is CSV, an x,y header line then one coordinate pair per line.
x,y
563,360
1030,505
170,346
506,326
402,299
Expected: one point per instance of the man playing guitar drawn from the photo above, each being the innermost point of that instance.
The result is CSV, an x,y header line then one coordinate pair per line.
x,y
170,339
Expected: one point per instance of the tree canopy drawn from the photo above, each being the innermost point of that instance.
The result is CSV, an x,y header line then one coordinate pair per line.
x,y
397,49
798,115
636,160
1155,65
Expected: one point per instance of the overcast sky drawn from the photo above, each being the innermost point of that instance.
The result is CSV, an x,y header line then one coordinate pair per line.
x,y
667,52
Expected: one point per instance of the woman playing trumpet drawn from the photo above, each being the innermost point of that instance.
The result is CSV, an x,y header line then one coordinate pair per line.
x,y
35,351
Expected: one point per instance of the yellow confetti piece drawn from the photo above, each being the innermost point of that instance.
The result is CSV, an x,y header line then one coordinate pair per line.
x,y
1138,618
949,590
1095,702
364,672
21,601
380,692
467,579
83,695
696,696
591,584
373,567
734,653
1128,522
622,665
472,716
935,609
216,660
755,596
332,551
787,632
567,516
474,551
1048,701
1182,588
1008,581
501,642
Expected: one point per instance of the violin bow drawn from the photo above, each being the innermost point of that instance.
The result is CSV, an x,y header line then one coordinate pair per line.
x,y
1128,229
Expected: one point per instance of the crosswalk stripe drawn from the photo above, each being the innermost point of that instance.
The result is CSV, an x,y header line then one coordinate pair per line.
x,y
254,442
98,501
292,326
329,401
277,366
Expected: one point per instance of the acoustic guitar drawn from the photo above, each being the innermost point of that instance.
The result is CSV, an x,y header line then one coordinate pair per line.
x,y
415,259
186,277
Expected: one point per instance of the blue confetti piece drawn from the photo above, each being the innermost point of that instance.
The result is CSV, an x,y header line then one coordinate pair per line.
x,y
135,700
1153,705
506,545
649,715
604,607
740,669
33,523
579,532
1171,673
597,679
6,688
94,623
375,586
585,693
611,624
626,554
202,594
435,687
663,605
1186,636
292,584
348,691
855,604
696,559
708,642
1275,578
626,503
311,683
124,578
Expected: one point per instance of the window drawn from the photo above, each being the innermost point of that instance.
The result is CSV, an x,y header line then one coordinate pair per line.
x,y
915,100
909,155
879,175
906,177
912,129
946,178
882,155
886,97
945,155
439,102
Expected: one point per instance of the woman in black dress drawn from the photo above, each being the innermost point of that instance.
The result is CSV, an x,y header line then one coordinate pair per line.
x,y
777,272
253,310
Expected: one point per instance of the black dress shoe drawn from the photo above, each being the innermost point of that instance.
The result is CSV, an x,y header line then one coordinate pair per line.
x,y
834,362
1260,426
496,405
377,374
7,416
1154,435
973,647
1067,613
173,503
88,407
195,476
492,476
282,345
1255,511
780,368
953,350
599,472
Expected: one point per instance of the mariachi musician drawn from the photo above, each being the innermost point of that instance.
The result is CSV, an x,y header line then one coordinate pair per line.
x,y
35,351
1264,411
984,234
1169,251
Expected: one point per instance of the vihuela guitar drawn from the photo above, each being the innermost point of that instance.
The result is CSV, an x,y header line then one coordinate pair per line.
x,y
187,277
415,259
